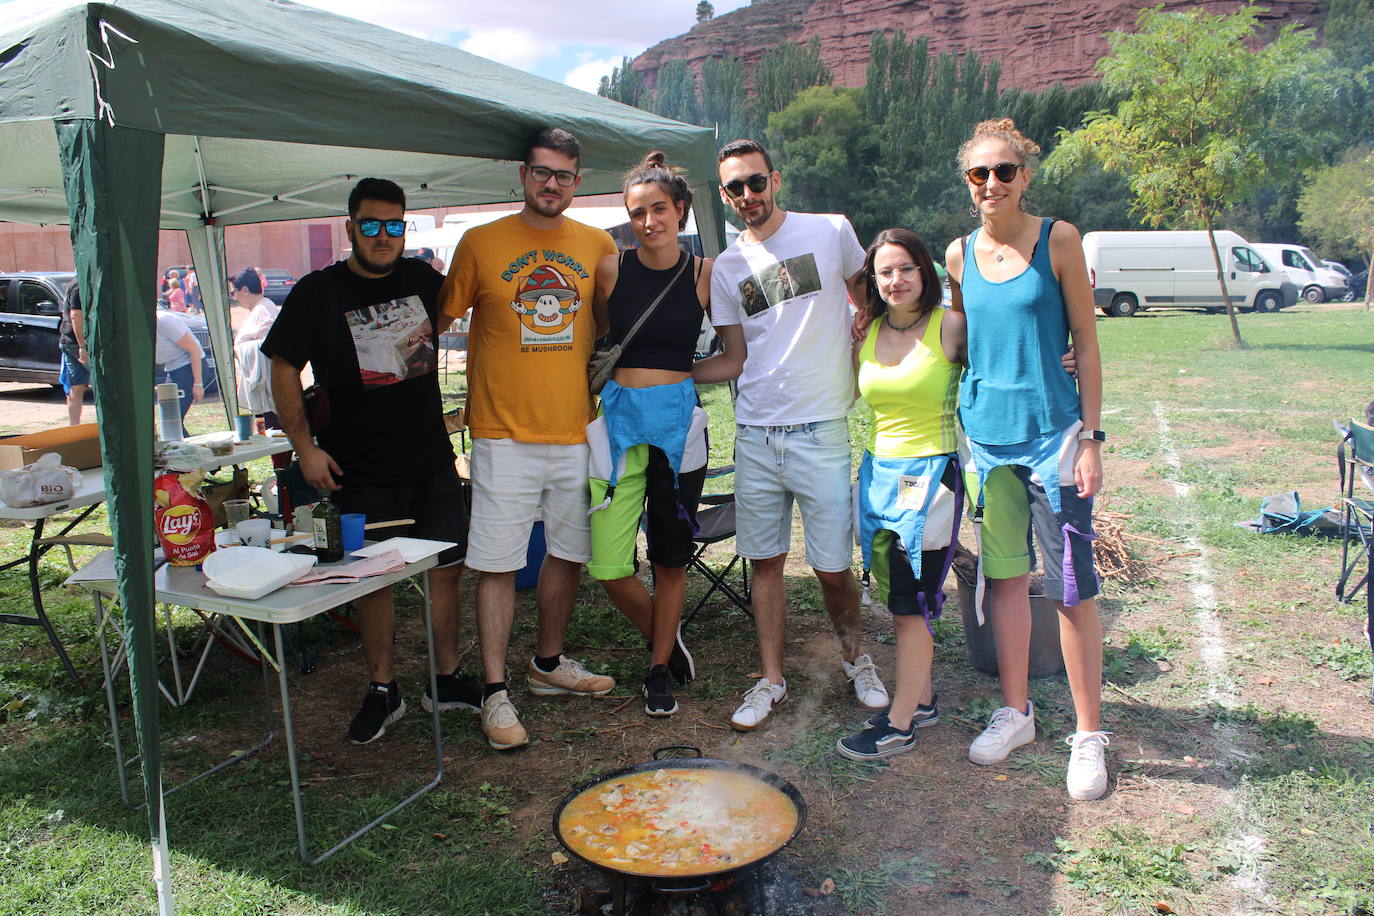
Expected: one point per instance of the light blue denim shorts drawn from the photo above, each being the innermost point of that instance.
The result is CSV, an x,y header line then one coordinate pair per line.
x,y
805,463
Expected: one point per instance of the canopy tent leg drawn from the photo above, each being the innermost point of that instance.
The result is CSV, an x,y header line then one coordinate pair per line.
x,y
207,256
112,177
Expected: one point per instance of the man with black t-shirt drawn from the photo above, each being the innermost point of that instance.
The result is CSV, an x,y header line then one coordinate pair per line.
x,y
367,327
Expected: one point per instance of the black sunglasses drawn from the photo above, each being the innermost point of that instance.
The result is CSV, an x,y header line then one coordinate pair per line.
x,y
756,183
1005,172
373,227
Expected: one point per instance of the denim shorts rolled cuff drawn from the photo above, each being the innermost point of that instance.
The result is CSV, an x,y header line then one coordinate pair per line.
x,y
1006,567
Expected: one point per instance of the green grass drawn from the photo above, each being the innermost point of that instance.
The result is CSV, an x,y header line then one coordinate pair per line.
x,y
1243,423
1128,871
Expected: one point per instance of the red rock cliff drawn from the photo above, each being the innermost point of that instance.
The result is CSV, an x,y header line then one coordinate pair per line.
x,y
1037,42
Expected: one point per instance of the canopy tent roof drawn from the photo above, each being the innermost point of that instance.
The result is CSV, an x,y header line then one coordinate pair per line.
x,y
278,108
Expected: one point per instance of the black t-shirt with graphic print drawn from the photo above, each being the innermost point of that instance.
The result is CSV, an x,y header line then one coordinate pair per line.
x,y
372,343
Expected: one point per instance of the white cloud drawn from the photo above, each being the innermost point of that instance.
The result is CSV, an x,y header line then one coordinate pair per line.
x,y
632,24
514,47
587,75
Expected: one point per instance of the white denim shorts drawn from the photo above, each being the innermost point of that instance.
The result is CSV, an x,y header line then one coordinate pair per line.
x,y
515,484
805,463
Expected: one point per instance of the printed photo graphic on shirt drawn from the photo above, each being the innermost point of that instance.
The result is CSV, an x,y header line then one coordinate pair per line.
x,y
779,282
394,341
547,302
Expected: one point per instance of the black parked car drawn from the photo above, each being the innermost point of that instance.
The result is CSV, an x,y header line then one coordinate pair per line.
x,y
279,284
30,313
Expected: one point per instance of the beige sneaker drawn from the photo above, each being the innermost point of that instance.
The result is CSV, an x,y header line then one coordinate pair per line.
x,y
500,723
568,677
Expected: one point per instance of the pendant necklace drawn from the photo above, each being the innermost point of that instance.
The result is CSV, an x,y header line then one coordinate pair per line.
x,y
888,318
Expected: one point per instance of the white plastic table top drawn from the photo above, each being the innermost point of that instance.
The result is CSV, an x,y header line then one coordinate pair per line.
x,y
92,488
185,586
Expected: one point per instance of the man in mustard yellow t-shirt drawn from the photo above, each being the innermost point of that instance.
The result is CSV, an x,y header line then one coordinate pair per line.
x,y
529,281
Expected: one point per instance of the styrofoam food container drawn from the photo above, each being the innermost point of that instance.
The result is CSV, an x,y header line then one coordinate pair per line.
x,y
251,572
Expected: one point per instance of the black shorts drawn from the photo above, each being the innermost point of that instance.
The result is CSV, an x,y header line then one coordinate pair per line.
x,y
667,533
435,501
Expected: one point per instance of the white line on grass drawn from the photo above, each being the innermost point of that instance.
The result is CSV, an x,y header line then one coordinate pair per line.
x,y
1248,842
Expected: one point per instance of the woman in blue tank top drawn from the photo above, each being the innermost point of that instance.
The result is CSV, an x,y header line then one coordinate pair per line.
x,y
1022,282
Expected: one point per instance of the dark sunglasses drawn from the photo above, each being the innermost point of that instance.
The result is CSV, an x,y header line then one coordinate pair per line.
x,y
542,174
756,183
1005,172
372,227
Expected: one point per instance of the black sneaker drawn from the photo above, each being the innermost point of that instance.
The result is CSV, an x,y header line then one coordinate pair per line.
x,y
925,716
877,740
456,691
382,705
658,692
680,662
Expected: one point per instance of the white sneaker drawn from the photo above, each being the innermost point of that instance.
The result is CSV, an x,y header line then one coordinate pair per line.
x,y
863,674
759,703
1007,730
1087,765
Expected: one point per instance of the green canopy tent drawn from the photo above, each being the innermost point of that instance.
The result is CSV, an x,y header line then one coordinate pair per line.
x,y
122,118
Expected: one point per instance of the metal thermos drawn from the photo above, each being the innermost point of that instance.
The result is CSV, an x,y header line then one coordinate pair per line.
x,y
168,411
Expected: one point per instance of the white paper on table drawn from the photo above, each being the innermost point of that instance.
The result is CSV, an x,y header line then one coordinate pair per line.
x,y
100,568
411,549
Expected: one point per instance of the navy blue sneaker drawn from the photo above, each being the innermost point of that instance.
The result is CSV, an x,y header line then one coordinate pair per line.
x,y
878,740
924,717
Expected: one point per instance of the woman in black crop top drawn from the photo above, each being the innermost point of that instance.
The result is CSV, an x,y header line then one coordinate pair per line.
x,y
650,417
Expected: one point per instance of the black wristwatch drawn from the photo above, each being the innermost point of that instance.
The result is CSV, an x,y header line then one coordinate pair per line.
x,y
1096,435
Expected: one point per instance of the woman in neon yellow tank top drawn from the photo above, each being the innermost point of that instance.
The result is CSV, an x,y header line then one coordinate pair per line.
x,y
910,487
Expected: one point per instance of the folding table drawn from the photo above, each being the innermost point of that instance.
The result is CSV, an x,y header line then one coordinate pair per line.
x,y
88,496
186,586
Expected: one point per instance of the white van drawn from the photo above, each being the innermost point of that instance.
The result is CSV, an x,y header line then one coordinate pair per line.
x,y
1131,271
1317,281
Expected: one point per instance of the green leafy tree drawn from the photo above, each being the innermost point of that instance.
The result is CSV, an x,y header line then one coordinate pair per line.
x,y
705,11
785,71
624,85
1349,36
1203,120
724,100
675,96
816,140
1337,206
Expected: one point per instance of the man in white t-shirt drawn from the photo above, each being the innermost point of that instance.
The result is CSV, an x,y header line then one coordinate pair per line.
x,y
787,280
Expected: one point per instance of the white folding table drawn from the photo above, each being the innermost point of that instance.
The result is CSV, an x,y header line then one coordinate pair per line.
x,y
186,586
89,495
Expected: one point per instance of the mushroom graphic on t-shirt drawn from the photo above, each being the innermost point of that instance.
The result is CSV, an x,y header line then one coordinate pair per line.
x,y
545,300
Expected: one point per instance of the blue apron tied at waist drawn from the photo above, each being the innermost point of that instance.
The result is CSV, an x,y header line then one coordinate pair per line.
x,y
897,494
1044,463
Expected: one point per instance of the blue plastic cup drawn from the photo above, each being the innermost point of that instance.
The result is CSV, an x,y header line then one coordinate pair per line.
x,y
352,524
243,427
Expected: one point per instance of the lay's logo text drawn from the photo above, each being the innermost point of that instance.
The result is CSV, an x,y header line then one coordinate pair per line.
x,y
180,523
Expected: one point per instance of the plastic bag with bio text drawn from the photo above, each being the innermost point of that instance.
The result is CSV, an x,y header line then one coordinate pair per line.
x,y
47,480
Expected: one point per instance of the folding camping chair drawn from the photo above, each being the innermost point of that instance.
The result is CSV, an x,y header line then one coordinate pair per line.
x,y
1355,459
716,523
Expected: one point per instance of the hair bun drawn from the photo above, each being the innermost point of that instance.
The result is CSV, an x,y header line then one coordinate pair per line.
x,y
655,160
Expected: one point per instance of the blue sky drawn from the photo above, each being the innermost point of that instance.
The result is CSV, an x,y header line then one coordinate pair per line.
x,y
570,41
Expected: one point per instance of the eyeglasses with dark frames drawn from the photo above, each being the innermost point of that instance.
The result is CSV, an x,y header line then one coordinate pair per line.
x,y
371,228
1005,172
541,175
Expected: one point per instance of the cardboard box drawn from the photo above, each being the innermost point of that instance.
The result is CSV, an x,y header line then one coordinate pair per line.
x,y
79,447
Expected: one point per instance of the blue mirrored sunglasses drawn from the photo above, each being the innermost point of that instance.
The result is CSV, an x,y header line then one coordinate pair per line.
x,y
371,227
